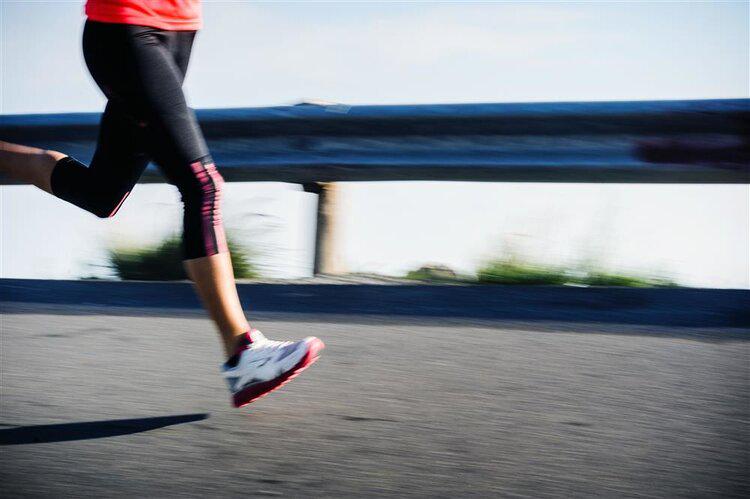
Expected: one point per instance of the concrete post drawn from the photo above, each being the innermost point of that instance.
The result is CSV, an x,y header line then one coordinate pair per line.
x,y
327,259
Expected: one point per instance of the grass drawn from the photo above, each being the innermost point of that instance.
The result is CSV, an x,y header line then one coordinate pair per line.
x,y
513,272
606,279
433,273
509,272
163,262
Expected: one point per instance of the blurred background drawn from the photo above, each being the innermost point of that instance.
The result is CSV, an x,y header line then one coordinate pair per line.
x,y
265,54
591,389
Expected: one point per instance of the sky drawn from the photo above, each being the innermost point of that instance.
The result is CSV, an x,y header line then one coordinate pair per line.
x,y
276,53
272,53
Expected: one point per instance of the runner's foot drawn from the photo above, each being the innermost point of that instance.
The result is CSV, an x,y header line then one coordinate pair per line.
x,y
260,365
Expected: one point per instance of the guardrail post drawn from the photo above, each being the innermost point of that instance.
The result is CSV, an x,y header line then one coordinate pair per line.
x,y
327,260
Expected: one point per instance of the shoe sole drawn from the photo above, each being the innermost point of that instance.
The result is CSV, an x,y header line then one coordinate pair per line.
x,y
254,392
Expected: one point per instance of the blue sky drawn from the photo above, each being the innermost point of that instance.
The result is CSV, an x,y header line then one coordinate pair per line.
x,y
270,53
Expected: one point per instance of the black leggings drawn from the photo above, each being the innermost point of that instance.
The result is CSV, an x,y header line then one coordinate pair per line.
x,y
141,71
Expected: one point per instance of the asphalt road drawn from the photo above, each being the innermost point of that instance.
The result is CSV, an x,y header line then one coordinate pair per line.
x,y
126,400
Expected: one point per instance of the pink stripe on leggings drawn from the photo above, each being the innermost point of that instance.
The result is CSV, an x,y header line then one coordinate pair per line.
x,y
214,239
117,208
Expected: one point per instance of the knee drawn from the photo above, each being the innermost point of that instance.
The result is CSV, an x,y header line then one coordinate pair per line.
x,y
205,190
89,188
201,195
107,207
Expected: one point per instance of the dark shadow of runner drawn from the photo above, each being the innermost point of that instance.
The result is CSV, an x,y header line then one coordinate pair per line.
x,y
93,429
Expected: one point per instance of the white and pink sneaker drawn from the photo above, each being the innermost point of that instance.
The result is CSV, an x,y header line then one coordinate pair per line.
x,y
260,365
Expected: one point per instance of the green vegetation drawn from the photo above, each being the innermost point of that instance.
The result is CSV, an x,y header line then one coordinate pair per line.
x,y
605,279
164,262
512,271
433,273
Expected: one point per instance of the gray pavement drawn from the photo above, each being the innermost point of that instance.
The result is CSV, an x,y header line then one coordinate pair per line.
x,y
127,402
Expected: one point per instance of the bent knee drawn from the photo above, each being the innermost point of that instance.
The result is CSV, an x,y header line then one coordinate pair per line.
x,y
108,208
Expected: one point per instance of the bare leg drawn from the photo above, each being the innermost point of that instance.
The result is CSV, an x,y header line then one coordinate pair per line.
x,y
28,164
213,277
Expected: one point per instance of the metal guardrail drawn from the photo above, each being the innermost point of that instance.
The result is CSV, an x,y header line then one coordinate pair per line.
x,y
317,145
706,141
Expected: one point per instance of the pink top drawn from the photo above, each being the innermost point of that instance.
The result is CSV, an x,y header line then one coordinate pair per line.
x,y
172,15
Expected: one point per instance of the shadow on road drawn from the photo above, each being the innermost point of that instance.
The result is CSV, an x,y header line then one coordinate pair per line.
x,y
41,434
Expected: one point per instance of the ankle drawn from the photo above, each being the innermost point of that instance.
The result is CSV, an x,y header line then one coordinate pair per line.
x,y
237,342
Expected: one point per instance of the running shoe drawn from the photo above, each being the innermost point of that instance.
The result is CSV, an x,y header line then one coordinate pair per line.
x,y
260,365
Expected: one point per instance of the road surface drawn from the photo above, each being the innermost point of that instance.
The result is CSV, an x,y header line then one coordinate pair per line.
x,y
112,389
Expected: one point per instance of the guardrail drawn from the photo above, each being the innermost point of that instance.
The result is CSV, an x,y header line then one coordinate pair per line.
x,y
661,141
702,141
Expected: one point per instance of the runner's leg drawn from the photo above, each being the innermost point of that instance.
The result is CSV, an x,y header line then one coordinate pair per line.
x,y
141,71
157,61
120,156
118,163
256,365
